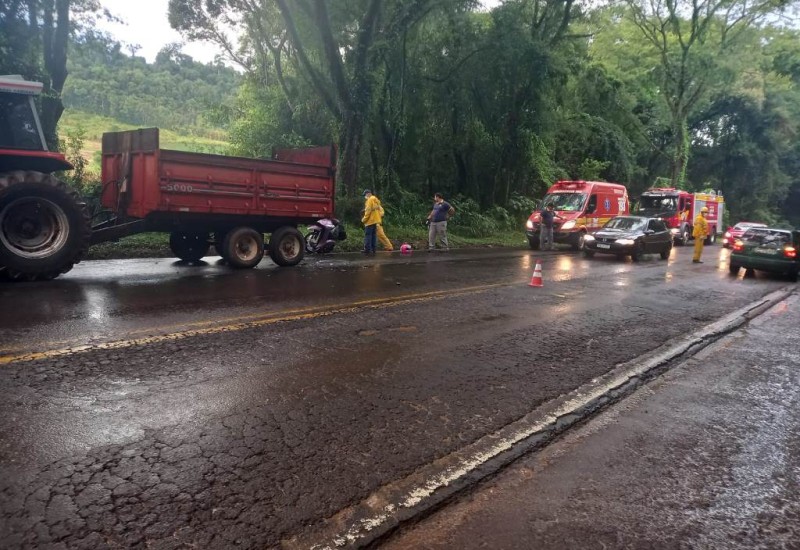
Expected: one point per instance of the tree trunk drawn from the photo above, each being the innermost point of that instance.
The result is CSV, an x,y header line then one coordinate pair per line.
x,y
351,147
55,37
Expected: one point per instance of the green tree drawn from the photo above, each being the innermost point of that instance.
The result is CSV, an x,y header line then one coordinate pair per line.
x,y
693,43
34,43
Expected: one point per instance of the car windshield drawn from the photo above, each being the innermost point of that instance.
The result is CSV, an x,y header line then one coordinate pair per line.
x,y
566,202
767,237
627,224
658,203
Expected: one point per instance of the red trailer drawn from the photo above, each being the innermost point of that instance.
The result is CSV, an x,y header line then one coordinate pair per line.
x,y
202,199
230,202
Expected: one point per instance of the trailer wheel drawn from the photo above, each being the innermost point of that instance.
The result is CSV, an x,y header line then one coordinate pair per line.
x,y
243,247
287,246
189,247
45,227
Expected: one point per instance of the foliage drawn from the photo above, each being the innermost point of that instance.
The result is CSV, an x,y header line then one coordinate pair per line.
x,y
487,107
174,92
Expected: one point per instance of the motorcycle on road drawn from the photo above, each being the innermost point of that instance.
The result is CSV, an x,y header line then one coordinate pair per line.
x,y
322,235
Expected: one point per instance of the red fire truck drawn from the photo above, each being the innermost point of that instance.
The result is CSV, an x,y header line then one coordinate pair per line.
x,y
200,199
679,208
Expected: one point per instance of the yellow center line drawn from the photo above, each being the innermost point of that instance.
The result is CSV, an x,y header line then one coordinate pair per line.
x,y
243,322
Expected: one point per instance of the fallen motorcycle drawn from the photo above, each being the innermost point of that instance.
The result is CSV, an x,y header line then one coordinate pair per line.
x,y
322,235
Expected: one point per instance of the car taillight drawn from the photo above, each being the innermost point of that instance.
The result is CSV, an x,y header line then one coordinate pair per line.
x,y
738,246
790,252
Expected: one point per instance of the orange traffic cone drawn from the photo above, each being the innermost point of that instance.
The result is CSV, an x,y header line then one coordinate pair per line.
x,y
536,279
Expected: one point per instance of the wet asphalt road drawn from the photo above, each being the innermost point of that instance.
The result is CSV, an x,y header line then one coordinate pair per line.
x,y
708,456
236,409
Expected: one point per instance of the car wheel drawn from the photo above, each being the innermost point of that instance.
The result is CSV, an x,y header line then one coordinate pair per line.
x,y
580,241
665,253
533,242
588,253
638,251
733,269
793,276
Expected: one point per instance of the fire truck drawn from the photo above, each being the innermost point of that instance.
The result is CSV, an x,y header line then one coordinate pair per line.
x,y
199,199
679,208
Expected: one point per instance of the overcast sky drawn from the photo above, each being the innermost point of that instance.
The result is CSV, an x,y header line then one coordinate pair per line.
x,y
148,26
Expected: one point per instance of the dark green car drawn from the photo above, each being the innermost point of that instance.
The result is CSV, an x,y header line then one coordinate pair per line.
x,y
767,249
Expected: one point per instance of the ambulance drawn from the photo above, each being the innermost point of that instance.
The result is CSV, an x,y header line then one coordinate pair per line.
x,y
679,208
584,207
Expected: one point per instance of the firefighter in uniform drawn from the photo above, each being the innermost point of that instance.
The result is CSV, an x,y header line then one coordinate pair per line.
x,y
700,232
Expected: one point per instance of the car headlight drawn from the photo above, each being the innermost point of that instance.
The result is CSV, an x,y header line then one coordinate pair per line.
x,y
727,234
625,242
568,225
529,224
588,238
674,230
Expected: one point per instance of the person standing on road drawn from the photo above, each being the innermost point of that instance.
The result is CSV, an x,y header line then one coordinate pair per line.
x,y
548,216
384,240
370,219
437,221
700,232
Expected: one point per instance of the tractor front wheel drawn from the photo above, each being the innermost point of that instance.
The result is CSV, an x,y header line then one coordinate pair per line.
x,y
45,227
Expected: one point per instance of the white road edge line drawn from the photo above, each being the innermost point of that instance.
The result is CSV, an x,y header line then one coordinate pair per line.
x,y
387,507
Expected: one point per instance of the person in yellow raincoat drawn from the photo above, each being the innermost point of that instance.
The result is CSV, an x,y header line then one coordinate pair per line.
x,y
384,240
699,232
370,219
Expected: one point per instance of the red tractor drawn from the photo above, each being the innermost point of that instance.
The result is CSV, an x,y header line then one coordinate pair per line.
x,y
200,199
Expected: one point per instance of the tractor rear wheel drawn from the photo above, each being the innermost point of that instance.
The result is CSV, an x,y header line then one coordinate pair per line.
x,y
189,247
45,227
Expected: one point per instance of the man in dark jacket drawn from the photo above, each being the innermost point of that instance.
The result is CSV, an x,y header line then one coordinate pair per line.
x,y
548,216
438,222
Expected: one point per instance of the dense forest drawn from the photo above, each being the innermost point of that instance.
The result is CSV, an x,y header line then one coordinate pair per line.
x,y
488,106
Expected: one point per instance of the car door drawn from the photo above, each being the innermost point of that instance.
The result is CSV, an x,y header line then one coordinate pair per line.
x,y
662,236
651,237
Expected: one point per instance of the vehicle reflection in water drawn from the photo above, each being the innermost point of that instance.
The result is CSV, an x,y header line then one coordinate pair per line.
x,y
369,278
724,256
97,304
564,268
525,262
668,277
